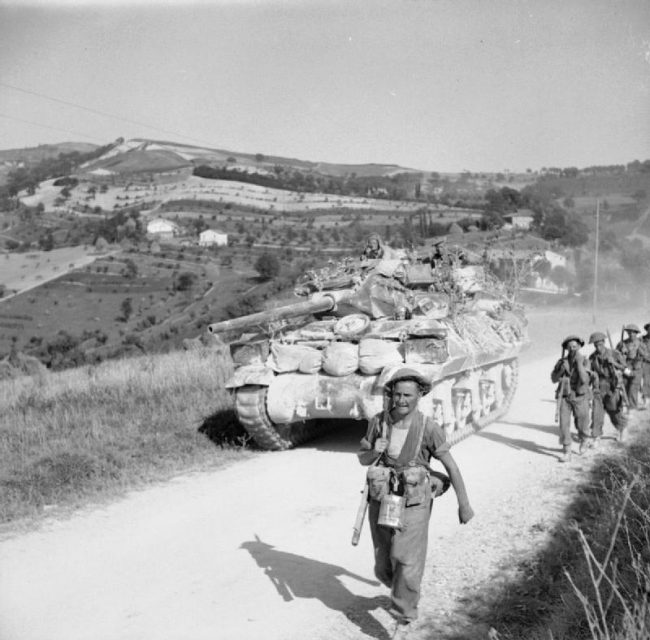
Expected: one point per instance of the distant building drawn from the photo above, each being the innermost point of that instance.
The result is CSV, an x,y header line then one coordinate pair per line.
x,y
162,229
556,259
211,237
521,219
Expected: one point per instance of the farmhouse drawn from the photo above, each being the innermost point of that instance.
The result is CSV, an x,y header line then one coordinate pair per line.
x,y
211,237
161,228
521,219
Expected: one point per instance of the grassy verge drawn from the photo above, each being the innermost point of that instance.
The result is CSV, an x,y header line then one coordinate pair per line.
x,y
69,436
592,580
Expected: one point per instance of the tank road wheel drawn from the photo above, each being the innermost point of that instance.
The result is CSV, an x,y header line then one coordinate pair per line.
x,y
250,407
509,380
493,406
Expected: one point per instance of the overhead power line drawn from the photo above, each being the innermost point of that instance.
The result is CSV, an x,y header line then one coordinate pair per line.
x,y
105,114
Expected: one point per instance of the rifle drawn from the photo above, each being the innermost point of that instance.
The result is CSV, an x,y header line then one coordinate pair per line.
x,y
617,376
623,333
361,514
363,505
560,391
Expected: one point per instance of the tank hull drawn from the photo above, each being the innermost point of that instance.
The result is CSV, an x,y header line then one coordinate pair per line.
x,y
296,407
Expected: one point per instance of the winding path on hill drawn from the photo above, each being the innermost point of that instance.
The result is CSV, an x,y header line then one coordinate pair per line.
x,y
262,549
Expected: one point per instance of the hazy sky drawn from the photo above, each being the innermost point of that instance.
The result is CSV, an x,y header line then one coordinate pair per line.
x,y
432,84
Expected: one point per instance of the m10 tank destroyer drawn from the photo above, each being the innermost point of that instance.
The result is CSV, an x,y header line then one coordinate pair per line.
x,y
301,366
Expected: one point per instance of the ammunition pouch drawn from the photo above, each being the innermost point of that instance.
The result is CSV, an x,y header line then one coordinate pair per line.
x,y
415,481
378,482
612,401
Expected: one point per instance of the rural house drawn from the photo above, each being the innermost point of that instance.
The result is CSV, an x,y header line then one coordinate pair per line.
x,y
160,228
213,237
521,219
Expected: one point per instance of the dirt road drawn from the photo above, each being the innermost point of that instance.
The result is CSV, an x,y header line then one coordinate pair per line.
x,y
262,549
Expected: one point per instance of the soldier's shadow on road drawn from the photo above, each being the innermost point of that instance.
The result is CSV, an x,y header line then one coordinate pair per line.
x,y
518,443
553,429
295,576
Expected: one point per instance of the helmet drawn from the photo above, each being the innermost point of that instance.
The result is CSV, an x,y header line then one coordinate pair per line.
x,y
568,339
410,375
632,327
597,336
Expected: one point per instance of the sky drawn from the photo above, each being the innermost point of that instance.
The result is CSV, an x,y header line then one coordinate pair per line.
x,y
439,85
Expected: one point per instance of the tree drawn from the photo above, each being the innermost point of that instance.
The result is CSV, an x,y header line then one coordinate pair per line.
x,y
268,266
46,242
567,228
491,220
542,267
130,269
126,308
185,281
560,276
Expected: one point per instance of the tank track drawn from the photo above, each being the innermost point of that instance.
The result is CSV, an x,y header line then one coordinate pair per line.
x,y
250,406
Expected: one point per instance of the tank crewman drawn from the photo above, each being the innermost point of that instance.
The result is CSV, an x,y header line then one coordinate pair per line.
x,y
399,444
374,248
571,373
607,366
636,354
645,389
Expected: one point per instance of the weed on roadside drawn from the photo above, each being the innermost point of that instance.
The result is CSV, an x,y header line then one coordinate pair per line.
x,y
592,580
67,436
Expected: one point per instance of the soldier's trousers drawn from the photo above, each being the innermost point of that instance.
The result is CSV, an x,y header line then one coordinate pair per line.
x,y
400,555
579,409
645,389
632,388
613,406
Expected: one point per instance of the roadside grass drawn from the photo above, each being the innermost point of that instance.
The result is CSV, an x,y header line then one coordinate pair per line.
x,y
592,580
72,436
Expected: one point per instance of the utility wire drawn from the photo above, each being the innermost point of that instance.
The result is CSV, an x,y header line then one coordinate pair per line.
x,y
45,126
101,113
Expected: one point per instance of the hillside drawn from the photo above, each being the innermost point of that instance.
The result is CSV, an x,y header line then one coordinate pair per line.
x,y
36,154
144,155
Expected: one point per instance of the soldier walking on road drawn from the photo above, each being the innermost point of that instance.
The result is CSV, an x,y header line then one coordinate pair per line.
x,y
635,353
571,373
607,366
397,447
645,389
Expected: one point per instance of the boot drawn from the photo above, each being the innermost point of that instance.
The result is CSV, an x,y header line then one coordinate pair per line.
x,y
584,444
566,454
621,435
402,629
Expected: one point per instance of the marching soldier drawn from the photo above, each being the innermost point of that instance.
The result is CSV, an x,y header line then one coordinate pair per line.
x,y
571,373
636,354
645,390
397,449
607,366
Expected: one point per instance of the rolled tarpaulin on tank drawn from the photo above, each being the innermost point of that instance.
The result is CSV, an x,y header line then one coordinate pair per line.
x,y
341,358
285,358
375,354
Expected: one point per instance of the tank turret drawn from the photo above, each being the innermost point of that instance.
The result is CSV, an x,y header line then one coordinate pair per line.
x,y
328,356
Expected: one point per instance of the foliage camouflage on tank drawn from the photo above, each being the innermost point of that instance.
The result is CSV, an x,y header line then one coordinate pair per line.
x,y
328,356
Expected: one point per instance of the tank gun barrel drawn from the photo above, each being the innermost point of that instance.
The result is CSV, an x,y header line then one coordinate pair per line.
x,y
318,304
